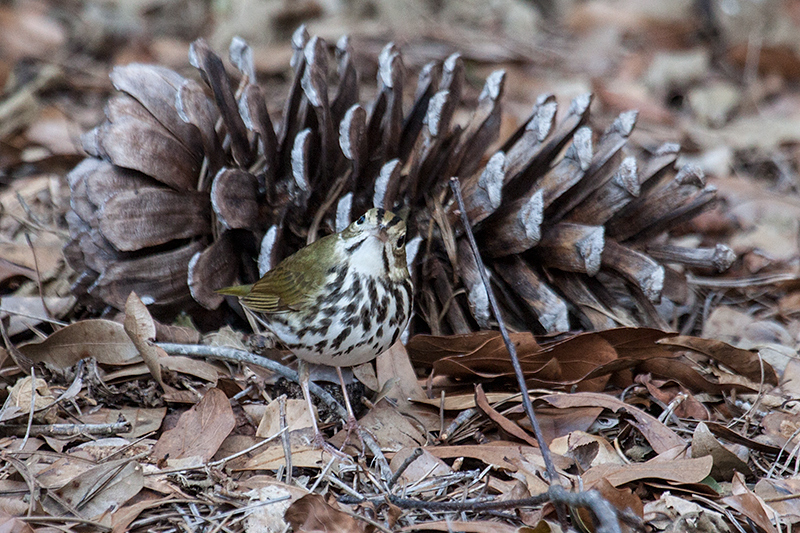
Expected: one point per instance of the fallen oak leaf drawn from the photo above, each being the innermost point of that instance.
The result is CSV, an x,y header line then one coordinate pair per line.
x,y
312,514
726,463
141,329
507,425
199,431
677,471
104,340
660,437
558,364
687,376
749,504
480,526
743,362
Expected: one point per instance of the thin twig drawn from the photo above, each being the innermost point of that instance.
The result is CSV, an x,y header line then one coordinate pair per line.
x,y
402,468
65,430
287,448
455,185
33,410
603,511
224,353
375,448
38,275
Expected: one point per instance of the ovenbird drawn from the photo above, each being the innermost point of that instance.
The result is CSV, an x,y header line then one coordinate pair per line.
x,y
341,300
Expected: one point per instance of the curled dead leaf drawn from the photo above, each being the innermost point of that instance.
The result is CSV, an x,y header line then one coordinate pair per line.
x,y
104,340
311,514
141,329
200,430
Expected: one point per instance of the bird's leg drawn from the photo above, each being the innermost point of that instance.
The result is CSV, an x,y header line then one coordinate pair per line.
x,y
319,438
351,417
351,424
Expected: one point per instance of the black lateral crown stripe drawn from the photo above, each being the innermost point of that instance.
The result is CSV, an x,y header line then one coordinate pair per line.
x,y
395,220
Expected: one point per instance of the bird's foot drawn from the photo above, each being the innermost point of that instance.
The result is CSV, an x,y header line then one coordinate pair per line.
x,y
351,425
319,442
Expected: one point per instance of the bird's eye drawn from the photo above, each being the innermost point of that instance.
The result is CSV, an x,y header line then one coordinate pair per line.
x,y
361,219
401,241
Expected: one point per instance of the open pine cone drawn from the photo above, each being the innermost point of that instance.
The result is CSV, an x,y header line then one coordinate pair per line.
x,y
189,188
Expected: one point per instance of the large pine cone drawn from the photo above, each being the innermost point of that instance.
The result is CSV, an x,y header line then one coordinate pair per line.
x,y
189,183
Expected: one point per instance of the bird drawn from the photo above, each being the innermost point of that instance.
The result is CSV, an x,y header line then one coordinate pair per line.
x,y
340,301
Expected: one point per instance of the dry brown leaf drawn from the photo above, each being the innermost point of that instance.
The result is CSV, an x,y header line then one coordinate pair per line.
x,y
104,340
392,430
142,420
304,454
667,391
269,518
676,471
483,354
750,505
726,463
431,348
728,434
477,526
509,426
660,437
141,329
674,511
44,253
199,432
394,364
777,494
423,466
297,417
366,374
556,423
743,362
623,499
790,380
98,489
192,367
500,454
19,396
11,524
466,400
27,312
779,427
176,334
311,514
587,450
122,518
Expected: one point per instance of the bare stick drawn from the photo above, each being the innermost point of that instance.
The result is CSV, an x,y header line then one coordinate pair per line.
x,y
605,513
65,430
33,409
223,353
287,448
512,352
402,468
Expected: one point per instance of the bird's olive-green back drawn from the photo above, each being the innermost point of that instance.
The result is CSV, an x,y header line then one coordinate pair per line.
x,y
297,280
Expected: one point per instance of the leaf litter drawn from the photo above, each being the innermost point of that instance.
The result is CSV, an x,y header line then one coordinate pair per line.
x,y
111,432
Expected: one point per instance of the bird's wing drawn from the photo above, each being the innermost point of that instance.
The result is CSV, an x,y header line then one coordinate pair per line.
x,y
236,290
279,290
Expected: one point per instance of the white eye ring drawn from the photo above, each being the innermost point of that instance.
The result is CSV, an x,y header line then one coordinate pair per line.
x,y
361,219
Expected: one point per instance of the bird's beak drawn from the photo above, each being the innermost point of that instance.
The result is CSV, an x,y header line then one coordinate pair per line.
x,y
383,235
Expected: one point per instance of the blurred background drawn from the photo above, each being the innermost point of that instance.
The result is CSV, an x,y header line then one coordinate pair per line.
x,y
720,77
